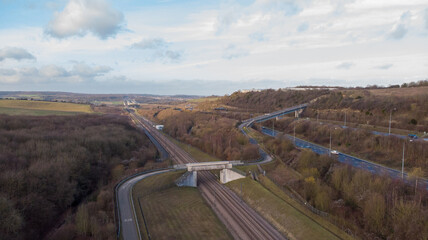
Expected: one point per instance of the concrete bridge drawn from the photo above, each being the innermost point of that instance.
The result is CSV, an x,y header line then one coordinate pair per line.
x,y
249,122
296,109
227,172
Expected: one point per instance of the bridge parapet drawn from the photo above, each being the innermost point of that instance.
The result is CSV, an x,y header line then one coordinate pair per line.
x,y
209,167
227,172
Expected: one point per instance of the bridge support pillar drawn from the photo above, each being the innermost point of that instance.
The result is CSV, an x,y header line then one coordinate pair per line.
x,y
189,179
228,175
297,113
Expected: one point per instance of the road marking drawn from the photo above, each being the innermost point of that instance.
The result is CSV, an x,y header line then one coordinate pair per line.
x,y
127,220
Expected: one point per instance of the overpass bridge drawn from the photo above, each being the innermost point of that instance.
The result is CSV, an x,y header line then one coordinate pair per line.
x,y
227,173
249,122
296,109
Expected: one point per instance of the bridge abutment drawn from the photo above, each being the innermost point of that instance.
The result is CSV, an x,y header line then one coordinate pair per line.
x,y
228,175
227,172
189,179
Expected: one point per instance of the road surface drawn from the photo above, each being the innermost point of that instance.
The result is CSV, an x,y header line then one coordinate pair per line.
x,y
127,219
344,158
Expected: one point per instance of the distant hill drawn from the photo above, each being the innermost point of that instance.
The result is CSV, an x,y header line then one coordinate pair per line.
x,y
90,98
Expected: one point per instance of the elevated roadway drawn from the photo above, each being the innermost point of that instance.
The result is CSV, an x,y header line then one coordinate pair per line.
x,y
272,115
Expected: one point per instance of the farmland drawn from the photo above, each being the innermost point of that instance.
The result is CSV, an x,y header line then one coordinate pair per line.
x,y
41,108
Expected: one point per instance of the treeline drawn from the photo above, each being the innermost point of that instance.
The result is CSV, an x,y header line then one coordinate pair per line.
x,y
48,164
386,150
212,134
271,100
365,205
420,83
363,107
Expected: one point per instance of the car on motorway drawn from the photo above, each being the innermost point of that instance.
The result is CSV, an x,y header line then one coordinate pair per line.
x,y
412,137
334,152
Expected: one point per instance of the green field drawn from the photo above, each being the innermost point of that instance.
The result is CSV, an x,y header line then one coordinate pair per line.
x,y
108,102
175,213
41,108
204,99
274,205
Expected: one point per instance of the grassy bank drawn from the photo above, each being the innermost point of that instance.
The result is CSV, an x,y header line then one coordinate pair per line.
x,y
287,217
175,213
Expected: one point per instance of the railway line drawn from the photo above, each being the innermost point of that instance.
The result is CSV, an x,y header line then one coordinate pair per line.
x,y
240,219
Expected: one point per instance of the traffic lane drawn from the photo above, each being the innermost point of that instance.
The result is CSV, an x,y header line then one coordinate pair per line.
x,y
347,159
129,228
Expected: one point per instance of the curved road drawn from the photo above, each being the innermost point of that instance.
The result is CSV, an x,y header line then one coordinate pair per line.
x,y
126,206
242,221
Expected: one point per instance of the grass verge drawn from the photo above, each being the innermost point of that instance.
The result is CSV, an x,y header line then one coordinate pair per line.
x,y
175,213
286,215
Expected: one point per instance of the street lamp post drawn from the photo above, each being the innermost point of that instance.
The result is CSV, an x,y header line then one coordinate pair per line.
x,y
294,134
402,164
390,120
318,116
273,127
345,118
329,153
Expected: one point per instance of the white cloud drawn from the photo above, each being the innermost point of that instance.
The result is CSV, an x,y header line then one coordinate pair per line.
x,y
258,36
52,73
84,70
345,65
258,13
15,53
385,66
153,43
303,27
400,29
7,72
82,16
232,51
426,18
270,41
158,49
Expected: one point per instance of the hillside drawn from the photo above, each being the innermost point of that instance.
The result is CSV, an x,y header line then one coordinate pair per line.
x,y
408,107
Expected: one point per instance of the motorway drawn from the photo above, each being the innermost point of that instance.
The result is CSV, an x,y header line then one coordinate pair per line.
x,y
341,157
242,221
344,158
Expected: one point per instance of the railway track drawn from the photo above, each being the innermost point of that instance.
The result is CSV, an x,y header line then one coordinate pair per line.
x,y
240,219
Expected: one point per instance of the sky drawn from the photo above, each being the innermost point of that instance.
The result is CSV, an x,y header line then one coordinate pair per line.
x,y
209,47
